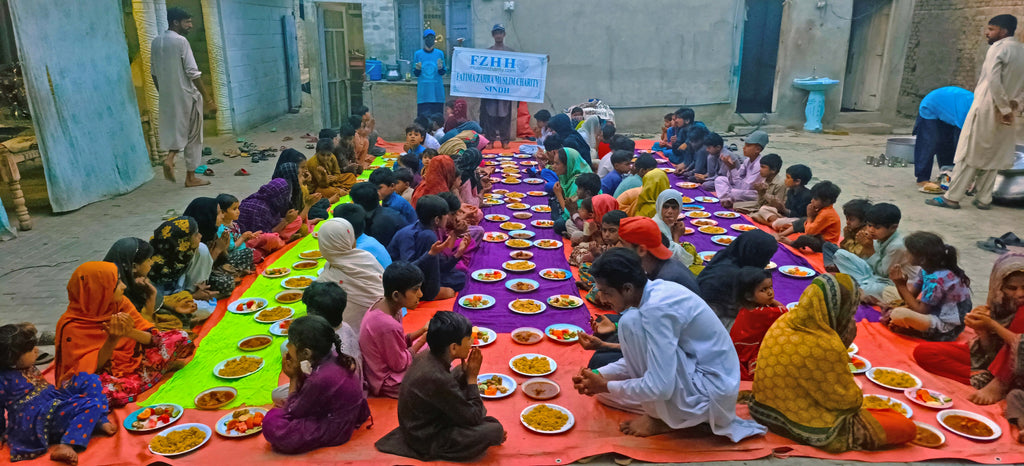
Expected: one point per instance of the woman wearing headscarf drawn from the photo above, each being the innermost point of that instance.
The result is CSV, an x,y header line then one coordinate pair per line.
x,y
134,258
990,361
750,249
181,262
568,164
565,132
592,244
471,187
655,182
357,271
102,333
301,199
591,132
208,216
459,115
666,217
268,210
287,156
815,400
438,177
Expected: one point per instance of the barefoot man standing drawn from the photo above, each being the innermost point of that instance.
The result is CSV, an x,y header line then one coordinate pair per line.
x,y
679,368
182,94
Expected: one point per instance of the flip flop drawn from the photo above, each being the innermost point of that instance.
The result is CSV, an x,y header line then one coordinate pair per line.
x,y
207,151
992,245
1011,239
214,161
208,172
941,202
201,169
242,172
169,214
981,206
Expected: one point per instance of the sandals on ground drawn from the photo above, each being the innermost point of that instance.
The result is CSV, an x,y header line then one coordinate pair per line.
x,y
942,202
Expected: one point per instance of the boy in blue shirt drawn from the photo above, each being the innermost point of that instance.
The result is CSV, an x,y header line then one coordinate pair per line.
x,y
621,164
356,216
428,66
384,179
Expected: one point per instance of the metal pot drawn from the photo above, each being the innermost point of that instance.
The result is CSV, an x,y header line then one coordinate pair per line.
x,y
1009,187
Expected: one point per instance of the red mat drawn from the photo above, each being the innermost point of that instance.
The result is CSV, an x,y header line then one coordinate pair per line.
x,y
596,429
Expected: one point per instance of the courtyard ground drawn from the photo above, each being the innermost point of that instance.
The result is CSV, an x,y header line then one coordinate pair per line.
x,y
35,267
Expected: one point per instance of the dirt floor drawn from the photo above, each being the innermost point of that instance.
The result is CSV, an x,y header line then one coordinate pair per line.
x,y
34,268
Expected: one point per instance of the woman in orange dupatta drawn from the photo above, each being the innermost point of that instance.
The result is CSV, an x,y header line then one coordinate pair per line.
x,y
102,333
438,177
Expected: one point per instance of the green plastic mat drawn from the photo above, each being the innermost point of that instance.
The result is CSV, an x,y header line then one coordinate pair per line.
x,y
221,343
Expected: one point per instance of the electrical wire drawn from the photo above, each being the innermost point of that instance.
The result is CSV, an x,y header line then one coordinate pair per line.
x,y
881,4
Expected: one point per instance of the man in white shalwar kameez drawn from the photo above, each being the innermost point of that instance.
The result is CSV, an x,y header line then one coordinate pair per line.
x,y
988,137
679,367
182,93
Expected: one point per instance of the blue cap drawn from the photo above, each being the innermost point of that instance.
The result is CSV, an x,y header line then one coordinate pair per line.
x,y
429,32
498,27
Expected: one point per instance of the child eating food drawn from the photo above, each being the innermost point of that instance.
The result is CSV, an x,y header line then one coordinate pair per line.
x,y
937,300
387,350
39,413
758,311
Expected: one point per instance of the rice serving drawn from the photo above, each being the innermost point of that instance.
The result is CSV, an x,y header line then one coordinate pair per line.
x,y
178,441
545,418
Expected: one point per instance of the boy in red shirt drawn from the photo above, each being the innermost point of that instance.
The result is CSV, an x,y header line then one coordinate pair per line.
x,y
822,219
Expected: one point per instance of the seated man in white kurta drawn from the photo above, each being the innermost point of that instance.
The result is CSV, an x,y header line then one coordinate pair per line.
x,y
679,367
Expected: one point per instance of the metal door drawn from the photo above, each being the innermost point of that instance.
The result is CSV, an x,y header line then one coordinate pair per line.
x,y
410,27
869,31
760,54
334,69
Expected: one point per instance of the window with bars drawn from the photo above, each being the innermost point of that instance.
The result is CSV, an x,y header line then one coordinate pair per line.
x,y
450,19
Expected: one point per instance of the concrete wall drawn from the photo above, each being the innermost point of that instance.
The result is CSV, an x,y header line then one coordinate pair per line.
x,y
254,52
947,46
379,29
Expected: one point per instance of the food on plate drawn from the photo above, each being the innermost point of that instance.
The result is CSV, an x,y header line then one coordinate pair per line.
x,y
276,271
512,226
247,306
476,301
857,364
711,230
542,208
547,243
492,386
493,202
244,421
283,325
492,275
967,425
526,306
298,282
178,441
303,265
554,274
274,314
215,398
522,286
240,366
510,180
497,217
797,272
545,418
518,205
314,254
499,191
931,398
521,255
516,195
289,297
743,227
154,416
879,402
255,342
480,336
519,265
925,437
536,193
698,214
495,237
893,378
533,365
727,214
518,243
522,215
526,336
540,389
563,333
564,301
522,234
544,223
703,222
725,240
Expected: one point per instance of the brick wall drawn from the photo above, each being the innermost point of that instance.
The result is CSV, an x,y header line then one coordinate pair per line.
x,y
947,45
254,50
379,34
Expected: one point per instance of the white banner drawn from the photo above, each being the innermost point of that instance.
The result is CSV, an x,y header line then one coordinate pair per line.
x,y
497,74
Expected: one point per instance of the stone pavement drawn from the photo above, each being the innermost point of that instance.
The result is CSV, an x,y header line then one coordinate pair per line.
x,y
35,267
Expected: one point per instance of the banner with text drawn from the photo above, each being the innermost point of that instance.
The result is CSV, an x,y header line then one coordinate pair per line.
x,y
497,74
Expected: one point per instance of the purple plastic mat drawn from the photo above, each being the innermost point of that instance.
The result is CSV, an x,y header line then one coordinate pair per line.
x,y
491,255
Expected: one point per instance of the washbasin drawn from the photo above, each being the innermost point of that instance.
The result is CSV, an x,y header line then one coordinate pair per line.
x,y
814,84
815,100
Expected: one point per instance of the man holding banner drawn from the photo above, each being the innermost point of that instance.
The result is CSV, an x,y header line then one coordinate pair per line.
x,y
496,115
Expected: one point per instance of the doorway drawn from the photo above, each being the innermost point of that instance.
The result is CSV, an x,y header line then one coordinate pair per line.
x,y
760,55
869,32
343,60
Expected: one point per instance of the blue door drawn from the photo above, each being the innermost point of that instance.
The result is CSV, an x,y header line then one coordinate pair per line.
x,y
410,25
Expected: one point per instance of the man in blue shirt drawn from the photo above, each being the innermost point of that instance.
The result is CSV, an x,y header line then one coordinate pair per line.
x,y
939,120
384,179
428,66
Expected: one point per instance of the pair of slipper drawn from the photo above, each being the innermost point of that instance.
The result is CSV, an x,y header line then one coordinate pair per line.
x,y
204,170
999,245
942,202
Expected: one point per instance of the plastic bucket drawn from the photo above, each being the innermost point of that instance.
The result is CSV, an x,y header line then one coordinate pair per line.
x,y
374,70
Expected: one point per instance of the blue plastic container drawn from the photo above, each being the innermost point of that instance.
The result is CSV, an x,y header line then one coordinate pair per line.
x,y
374,69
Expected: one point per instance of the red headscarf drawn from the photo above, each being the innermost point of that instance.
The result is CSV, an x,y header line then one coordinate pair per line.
x,y
603,203
459,115
80,331
438,178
